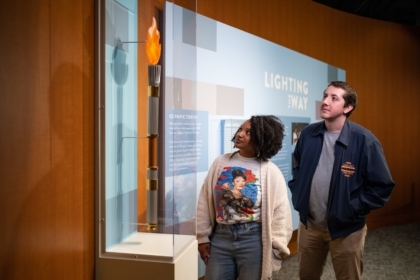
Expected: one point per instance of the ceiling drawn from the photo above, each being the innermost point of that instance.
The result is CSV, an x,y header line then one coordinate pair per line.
x,y
398,11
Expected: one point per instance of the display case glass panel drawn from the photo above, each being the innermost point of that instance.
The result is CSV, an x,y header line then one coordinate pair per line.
x,y
146,193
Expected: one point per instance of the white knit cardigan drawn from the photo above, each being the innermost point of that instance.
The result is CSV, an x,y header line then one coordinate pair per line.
x,y
276,216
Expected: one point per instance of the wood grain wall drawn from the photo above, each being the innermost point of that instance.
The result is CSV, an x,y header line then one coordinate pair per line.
x,y
47,139
47,121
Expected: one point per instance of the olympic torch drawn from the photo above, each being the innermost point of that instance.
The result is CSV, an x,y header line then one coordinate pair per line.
x,y
153,49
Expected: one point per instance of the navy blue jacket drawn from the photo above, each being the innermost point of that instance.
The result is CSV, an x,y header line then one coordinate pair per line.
x,y
360,180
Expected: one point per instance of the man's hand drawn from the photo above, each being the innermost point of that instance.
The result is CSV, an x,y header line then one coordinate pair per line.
x,y
204,249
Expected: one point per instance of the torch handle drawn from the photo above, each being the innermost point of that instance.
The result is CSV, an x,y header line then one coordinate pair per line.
x,y
152,131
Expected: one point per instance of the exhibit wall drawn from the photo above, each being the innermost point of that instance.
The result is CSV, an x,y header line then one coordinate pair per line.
x,y
47,120
382,63
224,76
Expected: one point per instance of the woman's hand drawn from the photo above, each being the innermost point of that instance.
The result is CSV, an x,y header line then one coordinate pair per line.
x,y
204,249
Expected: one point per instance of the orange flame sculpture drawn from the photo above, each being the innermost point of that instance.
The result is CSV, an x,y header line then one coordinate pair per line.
x,y
153,48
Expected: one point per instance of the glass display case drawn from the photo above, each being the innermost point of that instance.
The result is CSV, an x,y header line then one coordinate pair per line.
x,y
145,202
173,86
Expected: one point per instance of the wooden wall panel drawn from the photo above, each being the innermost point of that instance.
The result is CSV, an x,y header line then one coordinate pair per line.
x,y
46,140
88,165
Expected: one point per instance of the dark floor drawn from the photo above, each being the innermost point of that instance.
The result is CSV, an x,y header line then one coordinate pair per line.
x,y
390,253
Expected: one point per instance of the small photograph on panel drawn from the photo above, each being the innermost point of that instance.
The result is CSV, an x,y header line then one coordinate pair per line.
x,y
296,129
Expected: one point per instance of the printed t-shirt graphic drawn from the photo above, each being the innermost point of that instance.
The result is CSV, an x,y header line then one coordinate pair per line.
x,y
237,195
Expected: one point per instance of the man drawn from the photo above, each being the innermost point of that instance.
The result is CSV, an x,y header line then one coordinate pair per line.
x,y
340,174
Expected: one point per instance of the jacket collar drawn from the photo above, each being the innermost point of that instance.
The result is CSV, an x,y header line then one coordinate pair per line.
x,y
344,135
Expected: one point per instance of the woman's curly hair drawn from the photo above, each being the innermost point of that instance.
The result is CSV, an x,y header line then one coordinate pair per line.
x,y
267,133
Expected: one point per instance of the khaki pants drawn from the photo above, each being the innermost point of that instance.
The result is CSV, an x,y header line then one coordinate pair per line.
x,y
346,253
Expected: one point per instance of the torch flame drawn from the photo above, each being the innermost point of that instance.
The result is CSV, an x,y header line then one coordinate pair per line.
x,y
152,44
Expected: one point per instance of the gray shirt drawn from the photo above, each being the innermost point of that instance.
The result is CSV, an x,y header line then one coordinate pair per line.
x,y
320,187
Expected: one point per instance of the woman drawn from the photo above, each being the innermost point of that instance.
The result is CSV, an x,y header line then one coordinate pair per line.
x,y
235,245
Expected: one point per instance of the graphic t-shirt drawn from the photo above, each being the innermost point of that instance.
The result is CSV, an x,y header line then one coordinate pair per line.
x,y
238,191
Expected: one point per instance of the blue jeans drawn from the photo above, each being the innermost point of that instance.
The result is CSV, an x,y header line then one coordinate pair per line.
x,y
236,251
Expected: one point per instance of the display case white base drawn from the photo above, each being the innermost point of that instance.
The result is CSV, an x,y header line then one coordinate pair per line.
x,y
150,256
